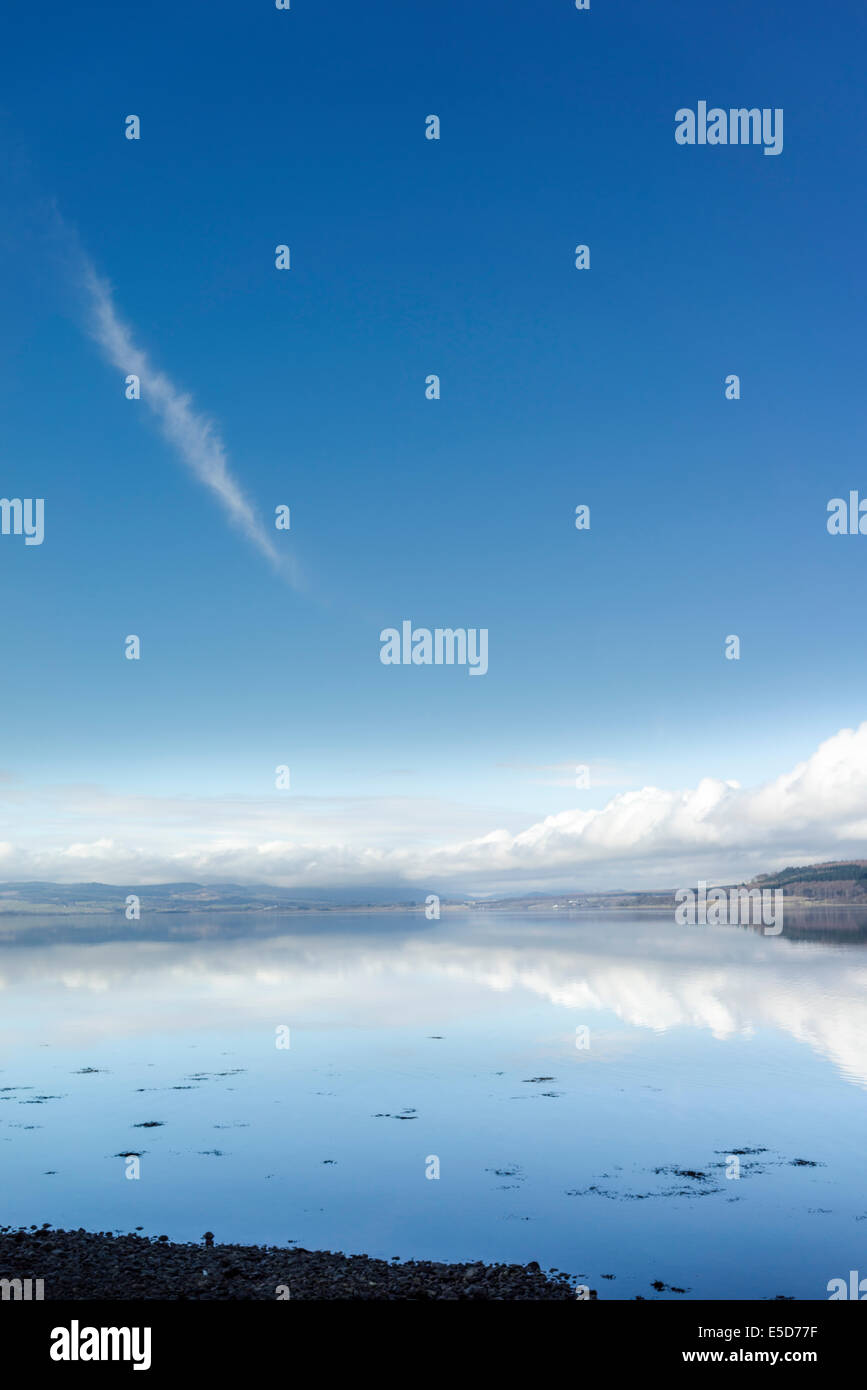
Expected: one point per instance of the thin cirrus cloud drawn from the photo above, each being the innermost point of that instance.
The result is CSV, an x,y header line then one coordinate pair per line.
x,y
598,774
194,437
715,830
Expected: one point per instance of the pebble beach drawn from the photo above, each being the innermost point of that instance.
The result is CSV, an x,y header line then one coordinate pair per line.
x,y
105,1266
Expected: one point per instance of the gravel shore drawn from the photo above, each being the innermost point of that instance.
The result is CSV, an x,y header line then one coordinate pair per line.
x,y
86,1265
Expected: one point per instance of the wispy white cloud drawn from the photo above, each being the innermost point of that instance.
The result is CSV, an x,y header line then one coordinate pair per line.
x,y
191,433
598,774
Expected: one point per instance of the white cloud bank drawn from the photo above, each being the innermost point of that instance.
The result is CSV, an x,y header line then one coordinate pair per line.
x,y
647,837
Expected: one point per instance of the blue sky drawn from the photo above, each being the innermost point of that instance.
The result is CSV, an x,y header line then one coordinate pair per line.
x,y
559,387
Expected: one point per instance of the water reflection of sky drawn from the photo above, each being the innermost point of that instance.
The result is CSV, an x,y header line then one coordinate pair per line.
x,y
412,1038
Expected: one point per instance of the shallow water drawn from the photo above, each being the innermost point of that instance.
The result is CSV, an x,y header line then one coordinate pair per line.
x,y
454,1039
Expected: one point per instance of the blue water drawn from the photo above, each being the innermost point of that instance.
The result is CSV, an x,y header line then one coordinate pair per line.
x,y
702,1041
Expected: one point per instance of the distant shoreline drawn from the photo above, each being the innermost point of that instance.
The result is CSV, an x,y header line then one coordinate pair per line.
x,y
833,884
25,910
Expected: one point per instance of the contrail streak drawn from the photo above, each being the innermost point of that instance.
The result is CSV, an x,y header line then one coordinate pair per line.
x,y
193,435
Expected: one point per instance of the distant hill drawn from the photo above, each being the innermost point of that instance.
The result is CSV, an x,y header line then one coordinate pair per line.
x,y
843,880
101,899
834,883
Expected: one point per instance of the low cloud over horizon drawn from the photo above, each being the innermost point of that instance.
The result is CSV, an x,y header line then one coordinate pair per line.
x,y
648,837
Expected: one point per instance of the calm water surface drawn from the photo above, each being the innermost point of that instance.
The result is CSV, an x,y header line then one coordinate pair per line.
x,y
455,1039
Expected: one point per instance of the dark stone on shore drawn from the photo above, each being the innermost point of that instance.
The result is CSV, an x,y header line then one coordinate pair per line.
x,y
86,1265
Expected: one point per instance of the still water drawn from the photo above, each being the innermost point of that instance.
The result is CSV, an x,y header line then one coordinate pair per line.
x,y
585,1083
